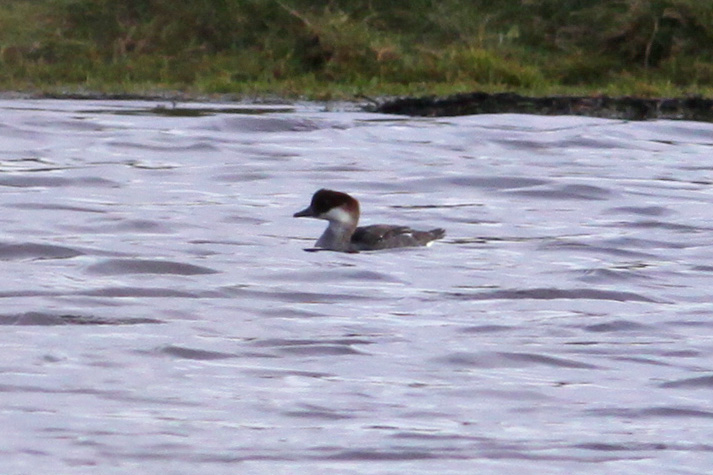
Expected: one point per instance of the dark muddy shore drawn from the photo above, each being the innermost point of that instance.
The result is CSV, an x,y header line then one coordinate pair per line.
x,y
626,108
695,108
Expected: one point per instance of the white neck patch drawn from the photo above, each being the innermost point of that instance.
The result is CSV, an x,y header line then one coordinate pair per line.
x,y
339,215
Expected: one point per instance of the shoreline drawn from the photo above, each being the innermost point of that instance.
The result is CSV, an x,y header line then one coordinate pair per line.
x,y
694,108
636,108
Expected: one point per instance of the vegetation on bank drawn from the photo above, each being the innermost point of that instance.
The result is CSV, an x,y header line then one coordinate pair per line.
x,y
345,48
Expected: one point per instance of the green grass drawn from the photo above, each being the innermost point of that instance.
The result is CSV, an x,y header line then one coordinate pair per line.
x,y
342,49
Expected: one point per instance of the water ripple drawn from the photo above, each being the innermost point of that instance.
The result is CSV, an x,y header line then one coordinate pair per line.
x,y
10,251
141,266
505,360
158,307
49,319
555,294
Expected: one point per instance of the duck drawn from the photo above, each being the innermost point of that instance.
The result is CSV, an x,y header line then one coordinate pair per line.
x,y
343,234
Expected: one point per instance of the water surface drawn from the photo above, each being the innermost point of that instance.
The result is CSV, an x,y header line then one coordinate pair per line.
x,y
159,313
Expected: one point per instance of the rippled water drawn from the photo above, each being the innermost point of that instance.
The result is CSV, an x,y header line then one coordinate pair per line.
x,y
159,313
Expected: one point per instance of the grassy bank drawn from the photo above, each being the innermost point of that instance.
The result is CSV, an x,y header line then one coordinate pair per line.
x,y
339,49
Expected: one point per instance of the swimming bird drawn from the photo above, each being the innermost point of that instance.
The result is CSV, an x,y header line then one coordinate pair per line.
x,y
342,233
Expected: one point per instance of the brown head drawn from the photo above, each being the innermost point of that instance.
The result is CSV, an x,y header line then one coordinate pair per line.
x,y
332,206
